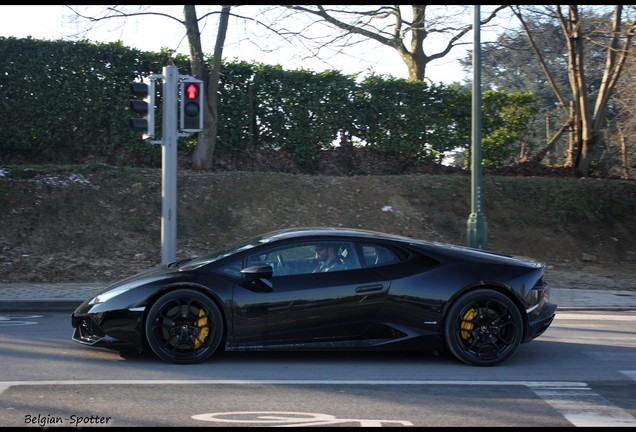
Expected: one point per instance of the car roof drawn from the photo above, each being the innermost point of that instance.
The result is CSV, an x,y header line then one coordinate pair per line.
x,y
331,232
302,232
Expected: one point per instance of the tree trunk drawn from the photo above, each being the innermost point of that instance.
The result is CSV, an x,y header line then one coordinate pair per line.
x,y
591,122
538,157
588,123
203,155
624,163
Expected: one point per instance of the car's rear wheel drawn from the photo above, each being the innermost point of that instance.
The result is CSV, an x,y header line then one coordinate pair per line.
x,y
483,328
184,326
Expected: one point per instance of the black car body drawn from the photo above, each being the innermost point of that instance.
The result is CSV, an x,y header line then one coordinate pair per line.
x,y
393,293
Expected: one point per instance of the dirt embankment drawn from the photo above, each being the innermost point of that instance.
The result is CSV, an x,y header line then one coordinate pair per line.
x,y
99,223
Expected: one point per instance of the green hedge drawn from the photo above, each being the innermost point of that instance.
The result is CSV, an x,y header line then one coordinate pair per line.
x,y
68,101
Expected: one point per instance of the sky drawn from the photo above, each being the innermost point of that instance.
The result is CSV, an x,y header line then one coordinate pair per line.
x,y
153,33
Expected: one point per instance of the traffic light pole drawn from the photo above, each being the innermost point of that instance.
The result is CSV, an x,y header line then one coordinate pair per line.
x,y
190,102
169,165
476,227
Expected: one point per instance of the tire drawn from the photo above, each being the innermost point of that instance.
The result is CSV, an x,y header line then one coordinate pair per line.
x,y
483,328
184,326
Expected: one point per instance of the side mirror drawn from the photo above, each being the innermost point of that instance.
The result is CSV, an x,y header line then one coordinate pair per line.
x,y
262,271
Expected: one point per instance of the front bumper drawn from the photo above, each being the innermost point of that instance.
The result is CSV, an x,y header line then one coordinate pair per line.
x,y
122,327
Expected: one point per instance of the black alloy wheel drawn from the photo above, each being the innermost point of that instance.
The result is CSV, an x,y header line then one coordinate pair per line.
x,y
184,326
483,328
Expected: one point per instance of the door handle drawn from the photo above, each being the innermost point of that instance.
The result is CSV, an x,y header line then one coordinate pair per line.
x,y
369,288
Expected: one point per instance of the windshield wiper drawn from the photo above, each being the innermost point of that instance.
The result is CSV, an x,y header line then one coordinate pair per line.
x,y
180,263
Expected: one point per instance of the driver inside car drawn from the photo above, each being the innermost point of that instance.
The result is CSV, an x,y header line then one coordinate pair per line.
x,y
328,258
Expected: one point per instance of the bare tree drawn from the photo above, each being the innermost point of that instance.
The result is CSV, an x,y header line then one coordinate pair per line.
x,y
624,125
407,32
387,25
587,119
202,157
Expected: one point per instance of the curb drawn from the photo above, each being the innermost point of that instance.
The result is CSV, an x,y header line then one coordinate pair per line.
x,y
596,308
68,305
40,306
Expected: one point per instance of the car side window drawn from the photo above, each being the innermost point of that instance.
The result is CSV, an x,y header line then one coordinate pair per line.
x,y
347,252
293,259
304,257
233,268
378,255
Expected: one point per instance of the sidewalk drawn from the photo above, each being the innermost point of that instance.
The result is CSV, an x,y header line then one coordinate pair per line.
x,y
65,297
45,297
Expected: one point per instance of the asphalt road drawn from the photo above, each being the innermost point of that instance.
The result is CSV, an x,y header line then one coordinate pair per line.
x,y
579,373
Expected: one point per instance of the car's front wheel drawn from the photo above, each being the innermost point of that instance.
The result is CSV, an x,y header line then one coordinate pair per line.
x,y
483,328
184,326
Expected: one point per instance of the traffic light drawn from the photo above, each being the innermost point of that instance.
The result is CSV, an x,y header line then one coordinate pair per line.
x,y
191,106
145,107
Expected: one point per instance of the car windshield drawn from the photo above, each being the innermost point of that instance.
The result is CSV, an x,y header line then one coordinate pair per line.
x,y
222,253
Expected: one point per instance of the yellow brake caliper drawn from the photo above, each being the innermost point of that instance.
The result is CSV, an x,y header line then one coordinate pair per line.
x,y
204,329
467,324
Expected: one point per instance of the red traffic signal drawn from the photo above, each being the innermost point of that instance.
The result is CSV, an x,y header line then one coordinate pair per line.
x,y
191,104
192,91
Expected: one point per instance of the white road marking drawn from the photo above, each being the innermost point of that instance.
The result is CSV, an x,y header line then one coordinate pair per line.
x,y
574,400
14,320
584,408
290,419
631,374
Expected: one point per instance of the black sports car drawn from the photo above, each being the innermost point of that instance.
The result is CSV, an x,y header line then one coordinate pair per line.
x,y
325,289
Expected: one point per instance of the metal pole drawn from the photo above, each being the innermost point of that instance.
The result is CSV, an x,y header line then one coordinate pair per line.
x,y
169,164
477,229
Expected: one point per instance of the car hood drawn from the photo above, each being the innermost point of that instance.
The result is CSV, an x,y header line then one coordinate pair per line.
x,y
148,275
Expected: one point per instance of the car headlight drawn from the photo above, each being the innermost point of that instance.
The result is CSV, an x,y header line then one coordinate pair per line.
x,y
105,296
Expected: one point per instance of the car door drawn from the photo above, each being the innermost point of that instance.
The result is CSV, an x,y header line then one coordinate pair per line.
x,y
302,307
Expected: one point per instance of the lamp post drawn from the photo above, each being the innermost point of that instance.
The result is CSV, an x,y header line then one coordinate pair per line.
x,y
477,229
